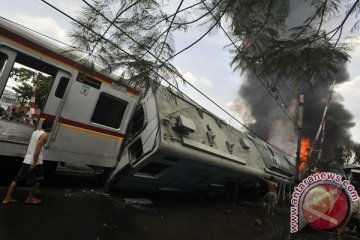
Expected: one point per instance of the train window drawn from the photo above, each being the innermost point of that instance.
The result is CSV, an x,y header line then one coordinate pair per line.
x,y
3,60
60,90
135,151
109,111
153,169
138,120
137,123
273,158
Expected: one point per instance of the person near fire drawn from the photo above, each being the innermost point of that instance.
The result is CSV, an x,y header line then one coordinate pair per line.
x,y
271,197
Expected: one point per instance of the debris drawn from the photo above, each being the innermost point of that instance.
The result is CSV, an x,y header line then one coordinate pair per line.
x,y
258,222
105,194
138,200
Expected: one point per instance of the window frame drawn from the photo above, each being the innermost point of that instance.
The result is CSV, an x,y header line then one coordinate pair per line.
x,y
131,135
162,167
138,144
64,89
96,104
5,62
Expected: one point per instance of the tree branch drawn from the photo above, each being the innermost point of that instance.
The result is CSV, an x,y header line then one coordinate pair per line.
x,y
169,28
112,22
199,39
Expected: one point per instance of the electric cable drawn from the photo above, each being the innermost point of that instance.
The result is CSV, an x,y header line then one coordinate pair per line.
x,y
282,107
155,72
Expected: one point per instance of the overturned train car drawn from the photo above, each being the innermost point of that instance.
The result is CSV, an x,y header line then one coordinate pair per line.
x,y
172,144
138,142
91,111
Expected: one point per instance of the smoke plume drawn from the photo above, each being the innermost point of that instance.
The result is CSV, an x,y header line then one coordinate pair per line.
x,y
272,124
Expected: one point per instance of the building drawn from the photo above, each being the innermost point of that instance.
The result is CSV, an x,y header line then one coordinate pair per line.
x,y
8,98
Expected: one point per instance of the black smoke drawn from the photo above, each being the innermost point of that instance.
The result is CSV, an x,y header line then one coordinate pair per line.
x,y
338,120
271,120
267,113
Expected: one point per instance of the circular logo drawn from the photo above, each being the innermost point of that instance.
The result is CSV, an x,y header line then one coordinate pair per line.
x,y
325,206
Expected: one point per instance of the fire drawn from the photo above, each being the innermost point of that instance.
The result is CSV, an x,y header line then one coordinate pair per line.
x,y
304,152
305,148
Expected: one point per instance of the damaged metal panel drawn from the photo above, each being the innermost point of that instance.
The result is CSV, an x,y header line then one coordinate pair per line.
x,y
274,161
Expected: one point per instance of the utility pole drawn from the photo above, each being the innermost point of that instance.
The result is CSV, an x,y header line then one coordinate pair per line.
x,y
299,128
321,128
32,111
321,146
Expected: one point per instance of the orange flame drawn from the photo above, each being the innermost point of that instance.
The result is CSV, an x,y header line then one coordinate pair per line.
x,y
304,152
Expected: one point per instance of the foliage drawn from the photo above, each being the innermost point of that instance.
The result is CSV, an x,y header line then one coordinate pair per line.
x,y
24,93
135,38
130,41
330,165
343,155
300,55
341,159
24,76
357,153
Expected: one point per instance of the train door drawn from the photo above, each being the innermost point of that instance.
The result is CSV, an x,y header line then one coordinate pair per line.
x,y
93,122
25,83
55,100
7,58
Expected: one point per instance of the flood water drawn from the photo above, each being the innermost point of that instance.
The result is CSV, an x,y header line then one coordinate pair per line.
x,y
74,208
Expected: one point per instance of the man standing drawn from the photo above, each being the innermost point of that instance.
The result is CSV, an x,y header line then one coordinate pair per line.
x,y
32,168
271,196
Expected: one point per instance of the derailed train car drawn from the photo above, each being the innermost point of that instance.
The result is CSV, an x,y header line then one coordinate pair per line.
x,y
90,110
145,142
173,144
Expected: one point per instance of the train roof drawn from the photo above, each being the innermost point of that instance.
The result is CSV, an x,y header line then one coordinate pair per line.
x,y
201,130
19,35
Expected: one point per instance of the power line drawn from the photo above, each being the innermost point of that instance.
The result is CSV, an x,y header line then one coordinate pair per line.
x,y
163,65
289,115
169,28
175,72
112,22
43,35
283,107
171,15
46,36
199,39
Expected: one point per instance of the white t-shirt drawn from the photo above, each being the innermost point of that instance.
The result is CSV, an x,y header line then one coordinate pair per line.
x,y
32,146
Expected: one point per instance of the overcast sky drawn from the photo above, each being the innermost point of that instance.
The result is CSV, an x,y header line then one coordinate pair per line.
x,y
206,65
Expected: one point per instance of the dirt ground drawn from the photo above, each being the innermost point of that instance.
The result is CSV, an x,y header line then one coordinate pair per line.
x,y
74,208
84,213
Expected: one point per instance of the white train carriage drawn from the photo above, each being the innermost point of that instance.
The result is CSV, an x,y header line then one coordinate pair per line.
x,y
151,144
173,145
91,111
